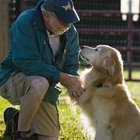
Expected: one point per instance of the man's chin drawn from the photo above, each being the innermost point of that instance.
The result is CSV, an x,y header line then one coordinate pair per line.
x,y
58,33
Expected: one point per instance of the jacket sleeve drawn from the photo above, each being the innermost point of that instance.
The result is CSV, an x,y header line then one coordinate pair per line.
x,y
71,65
26,56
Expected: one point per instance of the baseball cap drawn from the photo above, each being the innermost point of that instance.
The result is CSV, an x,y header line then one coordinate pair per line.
x,y
63,9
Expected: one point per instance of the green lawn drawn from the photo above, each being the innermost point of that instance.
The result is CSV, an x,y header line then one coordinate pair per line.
x,y
71,128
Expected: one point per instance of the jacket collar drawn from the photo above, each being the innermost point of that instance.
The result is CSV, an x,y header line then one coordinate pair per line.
x,y
38,19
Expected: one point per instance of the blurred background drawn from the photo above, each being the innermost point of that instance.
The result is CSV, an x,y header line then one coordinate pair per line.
x,y
112,22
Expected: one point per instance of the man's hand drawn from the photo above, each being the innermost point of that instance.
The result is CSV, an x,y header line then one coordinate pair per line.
x,y
73,84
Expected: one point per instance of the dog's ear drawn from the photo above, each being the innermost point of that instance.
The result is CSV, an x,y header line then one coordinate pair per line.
x,y
109,66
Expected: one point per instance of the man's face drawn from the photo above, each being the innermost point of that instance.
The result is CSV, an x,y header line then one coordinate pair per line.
x,y
54,25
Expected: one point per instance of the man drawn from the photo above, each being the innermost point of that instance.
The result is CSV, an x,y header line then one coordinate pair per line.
x,y
44,50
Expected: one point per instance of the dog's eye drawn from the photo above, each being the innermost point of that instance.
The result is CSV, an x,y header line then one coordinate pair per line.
x,y
96,49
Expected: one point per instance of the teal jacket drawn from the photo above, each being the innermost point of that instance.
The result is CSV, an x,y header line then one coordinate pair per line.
x,y
30,52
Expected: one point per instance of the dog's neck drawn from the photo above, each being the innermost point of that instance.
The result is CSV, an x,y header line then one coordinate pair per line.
x,y
86,76
107,80
103,78
100,78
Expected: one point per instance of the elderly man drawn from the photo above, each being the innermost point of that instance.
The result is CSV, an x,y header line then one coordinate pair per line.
x,y
44,50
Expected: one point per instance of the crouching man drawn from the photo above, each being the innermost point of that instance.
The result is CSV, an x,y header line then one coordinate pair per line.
x,y
44,50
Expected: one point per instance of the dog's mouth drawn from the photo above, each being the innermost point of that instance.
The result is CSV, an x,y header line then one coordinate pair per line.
x,y
84,58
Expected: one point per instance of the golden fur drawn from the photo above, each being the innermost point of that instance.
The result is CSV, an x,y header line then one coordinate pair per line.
x,y
107,102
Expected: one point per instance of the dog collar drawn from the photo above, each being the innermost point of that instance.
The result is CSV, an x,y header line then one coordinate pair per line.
x,y
99,85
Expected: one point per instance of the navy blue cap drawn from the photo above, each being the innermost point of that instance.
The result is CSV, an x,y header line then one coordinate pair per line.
x,y
63,9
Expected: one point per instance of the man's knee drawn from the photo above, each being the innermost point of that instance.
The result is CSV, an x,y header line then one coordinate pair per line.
x,y
40,86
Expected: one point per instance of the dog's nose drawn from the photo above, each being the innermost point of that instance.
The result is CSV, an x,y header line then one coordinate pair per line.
x,y
82,46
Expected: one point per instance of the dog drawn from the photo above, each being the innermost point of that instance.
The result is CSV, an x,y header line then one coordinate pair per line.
x,y
107,102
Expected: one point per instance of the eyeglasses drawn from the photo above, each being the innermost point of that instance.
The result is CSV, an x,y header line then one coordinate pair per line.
x,y
55,17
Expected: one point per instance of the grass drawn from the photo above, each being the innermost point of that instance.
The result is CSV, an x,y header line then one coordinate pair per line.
x,y
71,128
134,87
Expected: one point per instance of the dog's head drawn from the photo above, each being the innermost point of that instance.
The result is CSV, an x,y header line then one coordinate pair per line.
x,y
106,60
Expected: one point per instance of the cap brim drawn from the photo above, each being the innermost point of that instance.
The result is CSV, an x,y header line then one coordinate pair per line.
x,y
68,17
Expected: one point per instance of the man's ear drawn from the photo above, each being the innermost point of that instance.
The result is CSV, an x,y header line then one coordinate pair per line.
x,y
109,66
46,16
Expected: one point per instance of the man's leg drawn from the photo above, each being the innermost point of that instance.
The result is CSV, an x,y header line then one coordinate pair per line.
x,y
32,89
30,102
46,122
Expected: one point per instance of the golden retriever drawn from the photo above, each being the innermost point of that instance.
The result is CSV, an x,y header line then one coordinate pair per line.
x,y
107,102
